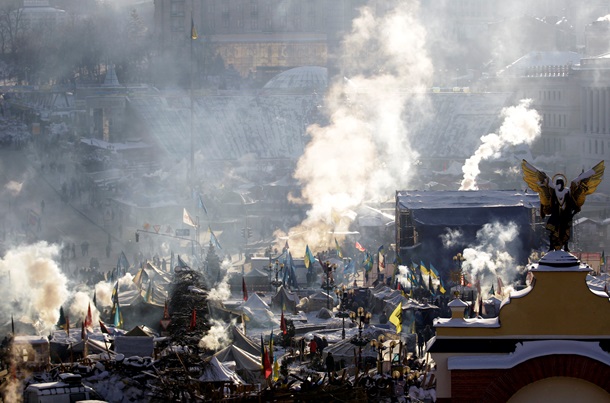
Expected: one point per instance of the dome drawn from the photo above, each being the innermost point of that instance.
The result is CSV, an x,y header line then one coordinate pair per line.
x,y
300,78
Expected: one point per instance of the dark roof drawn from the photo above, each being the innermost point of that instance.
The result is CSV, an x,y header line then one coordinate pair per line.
x,y
452,199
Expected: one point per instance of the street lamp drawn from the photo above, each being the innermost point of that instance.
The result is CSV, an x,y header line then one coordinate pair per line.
x,y
456,275
392,345
343,294
360,318
276,267
330,282
378,345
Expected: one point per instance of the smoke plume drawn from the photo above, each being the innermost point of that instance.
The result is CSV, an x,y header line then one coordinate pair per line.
x,y
34,286
452,237
364,152
217,337
521,125
491,257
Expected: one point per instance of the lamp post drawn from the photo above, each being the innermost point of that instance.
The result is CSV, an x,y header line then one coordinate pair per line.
x,y
392,345
276,267
360,317
330,282
378,345
343,294
456,275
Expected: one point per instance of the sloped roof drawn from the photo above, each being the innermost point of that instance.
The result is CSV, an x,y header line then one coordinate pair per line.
x,y
218,372
243,342
255,302
243,359
228,127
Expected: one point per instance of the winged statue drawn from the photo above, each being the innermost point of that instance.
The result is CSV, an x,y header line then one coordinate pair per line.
x,y
560,202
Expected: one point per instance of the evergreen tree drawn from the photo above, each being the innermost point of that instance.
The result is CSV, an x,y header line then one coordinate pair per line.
x,y
212,265
62,317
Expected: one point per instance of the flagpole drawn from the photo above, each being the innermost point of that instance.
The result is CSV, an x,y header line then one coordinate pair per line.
x,y
191,172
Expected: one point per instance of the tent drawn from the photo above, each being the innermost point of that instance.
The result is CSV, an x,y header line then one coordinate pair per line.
x,y
243,342
247,365
317,301
219,372
258,312
284,298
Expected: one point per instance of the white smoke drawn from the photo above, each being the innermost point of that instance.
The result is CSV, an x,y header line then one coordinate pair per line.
x,y
521,125
604,18
364,152
217,337
79,307
222,290
491,257
451,237
14,187
33,286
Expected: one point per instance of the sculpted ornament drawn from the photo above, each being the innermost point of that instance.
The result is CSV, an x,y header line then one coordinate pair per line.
x,y
560,202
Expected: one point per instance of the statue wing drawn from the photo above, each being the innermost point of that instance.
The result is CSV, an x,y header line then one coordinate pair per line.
x,y
586,183
539,182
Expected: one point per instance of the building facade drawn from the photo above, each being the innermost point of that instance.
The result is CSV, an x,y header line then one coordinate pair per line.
x,y
257,36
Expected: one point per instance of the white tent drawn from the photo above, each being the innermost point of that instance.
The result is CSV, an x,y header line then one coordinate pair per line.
x,y
246,364
219,372
258,312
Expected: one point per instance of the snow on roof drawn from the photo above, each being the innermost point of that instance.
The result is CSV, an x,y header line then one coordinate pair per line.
x,y
528,350
229,127
559,260
463,322
452,199
542,59
114,146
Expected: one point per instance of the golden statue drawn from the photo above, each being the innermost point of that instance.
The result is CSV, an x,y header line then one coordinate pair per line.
x,y
559,202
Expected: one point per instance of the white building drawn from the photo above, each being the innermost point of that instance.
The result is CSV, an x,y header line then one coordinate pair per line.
x,y
37,14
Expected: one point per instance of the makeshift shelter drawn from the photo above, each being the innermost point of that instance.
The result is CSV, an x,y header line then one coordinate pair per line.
x,y
316,301
247,365
257,280
258,312
284,298
243,342
136,342
324,314
217,371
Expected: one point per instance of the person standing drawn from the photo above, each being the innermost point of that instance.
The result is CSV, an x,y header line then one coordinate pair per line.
x,y
330,364
313,348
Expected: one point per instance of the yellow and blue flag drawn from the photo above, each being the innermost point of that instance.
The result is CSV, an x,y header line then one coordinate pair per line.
x,y
309,258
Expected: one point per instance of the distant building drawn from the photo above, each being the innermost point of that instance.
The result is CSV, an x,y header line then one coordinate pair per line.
x,y
262,37
597,38
38,14
572,95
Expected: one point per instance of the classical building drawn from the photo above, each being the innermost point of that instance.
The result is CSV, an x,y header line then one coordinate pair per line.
x,y
545,345
261,37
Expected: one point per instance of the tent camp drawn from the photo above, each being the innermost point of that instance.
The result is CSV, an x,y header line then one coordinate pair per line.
x,y
247,365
